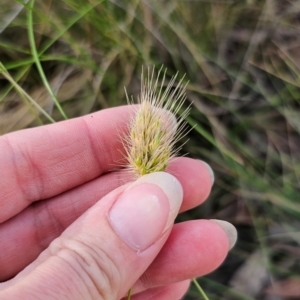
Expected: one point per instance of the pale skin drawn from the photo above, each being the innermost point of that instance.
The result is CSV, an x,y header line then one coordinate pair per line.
x,y
56,243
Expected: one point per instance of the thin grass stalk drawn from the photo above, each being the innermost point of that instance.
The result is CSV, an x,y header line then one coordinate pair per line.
x,y
37,60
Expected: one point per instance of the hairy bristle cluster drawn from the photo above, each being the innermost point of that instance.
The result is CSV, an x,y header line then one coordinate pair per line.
x,y
155,130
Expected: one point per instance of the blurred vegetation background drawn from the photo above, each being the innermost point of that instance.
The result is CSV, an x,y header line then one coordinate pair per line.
x,y
63,59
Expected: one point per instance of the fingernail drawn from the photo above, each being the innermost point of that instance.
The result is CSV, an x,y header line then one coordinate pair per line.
x,y
146,209
230,231
211,172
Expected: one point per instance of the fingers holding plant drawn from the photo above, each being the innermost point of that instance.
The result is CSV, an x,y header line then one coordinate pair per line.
x,y
123,238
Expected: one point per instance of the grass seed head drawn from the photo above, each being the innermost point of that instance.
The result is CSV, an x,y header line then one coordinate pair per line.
x,y
154,130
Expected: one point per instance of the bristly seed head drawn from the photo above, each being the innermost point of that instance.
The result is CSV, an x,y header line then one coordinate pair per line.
x,y
154,130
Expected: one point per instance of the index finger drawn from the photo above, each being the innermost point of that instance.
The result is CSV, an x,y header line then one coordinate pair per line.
x,y
42,162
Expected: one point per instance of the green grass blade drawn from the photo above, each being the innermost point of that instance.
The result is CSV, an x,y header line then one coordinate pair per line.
x,y
200,289
37,60
6,75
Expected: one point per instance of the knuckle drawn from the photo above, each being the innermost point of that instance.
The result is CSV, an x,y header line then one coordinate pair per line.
x,y
24,169
95,268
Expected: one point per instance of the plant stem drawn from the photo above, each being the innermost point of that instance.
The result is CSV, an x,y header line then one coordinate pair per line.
x,y
129,294
37,60
200,289
22,93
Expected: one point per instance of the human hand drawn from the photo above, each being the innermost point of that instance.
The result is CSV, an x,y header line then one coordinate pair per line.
x,y
59,241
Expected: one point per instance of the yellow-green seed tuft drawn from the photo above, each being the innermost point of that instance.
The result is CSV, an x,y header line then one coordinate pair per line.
x,y
154,130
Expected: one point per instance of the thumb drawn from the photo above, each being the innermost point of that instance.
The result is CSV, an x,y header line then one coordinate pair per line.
x,y
103,253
